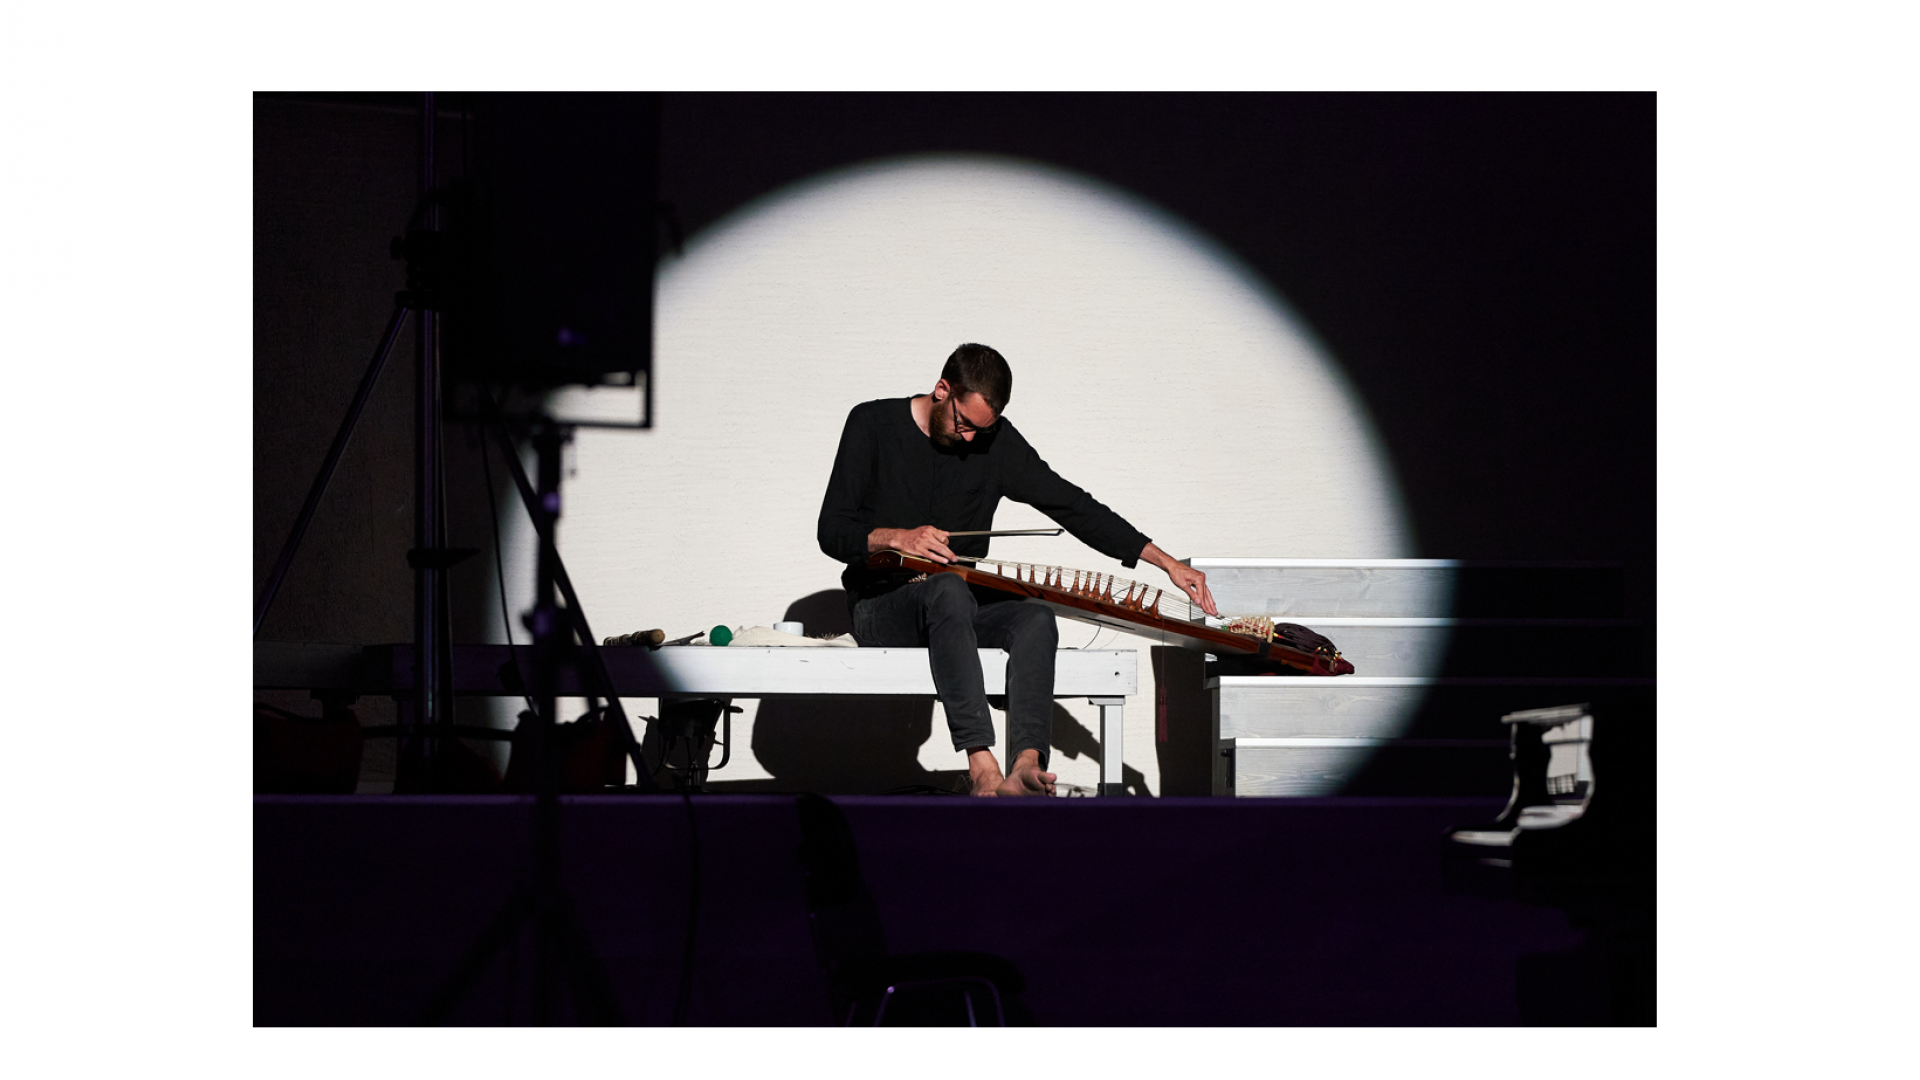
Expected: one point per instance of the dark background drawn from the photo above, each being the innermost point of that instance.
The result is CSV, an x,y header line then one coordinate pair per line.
x,y
1482,265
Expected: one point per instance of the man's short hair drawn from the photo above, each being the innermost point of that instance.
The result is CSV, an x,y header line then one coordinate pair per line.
x,y
977,369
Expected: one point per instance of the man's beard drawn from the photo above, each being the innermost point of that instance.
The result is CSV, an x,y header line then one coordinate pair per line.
x,y
940,429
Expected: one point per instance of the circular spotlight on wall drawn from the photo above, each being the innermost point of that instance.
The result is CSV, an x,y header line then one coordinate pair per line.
x,y
1150,367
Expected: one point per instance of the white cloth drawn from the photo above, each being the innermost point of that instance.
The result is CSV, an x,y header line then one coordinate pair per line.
x,y
755,636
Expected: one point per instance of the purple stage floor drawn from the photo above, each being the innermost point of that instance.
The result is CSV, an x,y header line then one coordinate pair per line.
x,y
1115,911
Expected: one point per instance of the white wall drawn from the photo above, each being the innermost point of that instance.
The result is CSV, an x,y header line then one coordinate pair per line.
x,y
1149,368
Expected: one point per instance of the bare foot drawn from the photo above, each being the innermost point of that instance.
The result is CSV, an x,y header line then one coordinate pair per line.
x,y
1026,777
984,772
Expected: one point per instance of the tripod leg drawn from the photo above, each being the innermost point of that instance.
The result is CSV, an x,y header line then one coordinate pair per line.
x,y
597,667
476,959
325,475
562,949
587,979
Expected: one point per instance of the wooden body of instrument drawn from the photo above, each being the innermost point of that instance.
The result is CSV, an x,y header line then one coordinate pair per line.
x,y
1089,598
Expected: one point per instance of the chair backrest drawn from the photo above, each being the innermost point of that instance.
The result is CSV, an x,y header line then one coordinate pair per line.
x,y
942,1003
841,914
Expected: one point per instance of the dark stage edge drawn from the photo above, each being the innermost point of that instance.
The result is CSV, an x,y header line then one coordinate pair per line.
x,y
1168,911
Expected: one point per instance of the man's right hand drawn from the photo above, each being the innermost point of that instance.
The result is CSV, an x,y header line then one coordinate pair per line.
x,y
925,541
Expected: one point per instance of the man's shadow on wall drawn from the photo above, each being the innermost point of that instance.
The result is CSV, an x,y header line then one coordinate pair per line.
x,y
869,745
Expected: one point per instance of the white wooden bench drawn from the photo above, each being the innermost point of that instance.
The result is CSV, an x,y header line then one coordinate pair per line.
x,y
1105,677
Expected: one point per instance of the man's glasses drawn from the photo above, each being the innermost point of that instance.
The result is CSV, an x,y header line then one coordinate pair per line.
x,y
960,424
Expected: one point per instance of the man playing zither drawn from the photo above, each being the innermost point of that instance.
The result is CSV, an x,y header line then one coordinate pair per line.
x,y
911,472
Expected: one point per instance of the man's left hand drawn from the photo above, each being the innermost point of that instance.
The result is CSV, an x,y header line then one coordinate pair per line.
x,y
1185,578
1194,584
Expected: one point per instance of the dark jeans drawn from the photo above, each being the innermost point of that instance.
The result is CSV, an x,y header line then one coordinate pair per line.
x,y
942,615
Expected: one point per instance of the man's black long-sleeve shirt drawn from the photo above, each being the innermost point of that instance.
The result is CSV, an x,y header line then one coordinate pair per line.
x,y
889,475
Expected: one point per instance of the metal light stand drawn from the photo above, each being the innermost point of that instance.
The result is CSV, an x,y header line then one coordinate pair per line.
x,y
562,947
430,558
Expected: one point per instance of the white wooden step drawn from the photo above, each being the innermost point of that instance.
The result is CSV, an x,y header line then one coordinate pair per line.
x,y
1382,707
1303,589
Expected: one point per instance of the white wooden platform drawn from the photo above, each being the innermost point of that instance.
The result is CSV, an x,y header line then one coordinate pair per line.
x,y
782,672
1105,677
1525,632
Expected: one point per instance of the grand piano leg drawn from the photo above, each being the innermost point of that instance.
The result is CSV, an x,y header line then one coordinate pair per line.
x,y
1112,743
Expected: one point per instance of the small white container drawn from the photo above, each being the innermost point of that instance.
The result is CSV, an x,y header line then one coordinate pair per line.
x,y
794,628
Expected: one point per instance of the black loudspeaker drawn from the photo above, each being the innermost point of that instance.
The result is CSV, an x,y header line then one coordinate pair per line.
x,y
554,241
